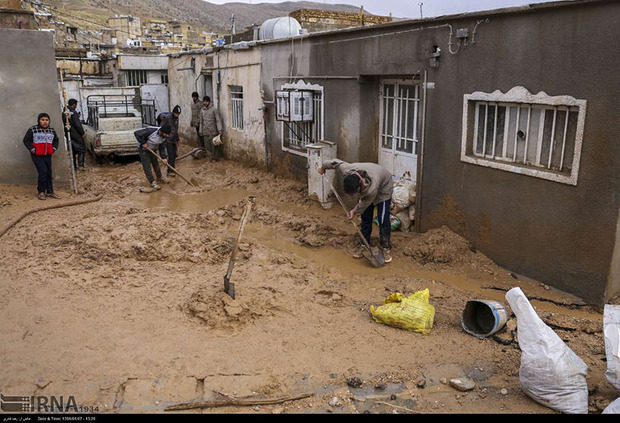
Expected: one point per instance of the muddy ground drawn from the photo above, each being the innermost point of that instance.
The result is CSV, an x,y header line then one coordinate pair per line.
x,y
120,304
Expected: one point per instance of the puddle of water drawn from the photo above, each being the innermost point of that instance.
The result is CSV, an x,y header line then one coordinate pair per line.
x,y
194,203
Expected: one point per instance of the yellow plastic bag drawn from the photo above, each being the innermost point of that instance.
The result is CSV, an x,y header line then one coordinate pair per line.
x,y
412,313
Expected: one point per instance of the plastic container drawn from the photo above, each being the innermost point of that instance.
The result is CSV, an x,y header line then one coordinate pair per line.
x,y
275,28
483,318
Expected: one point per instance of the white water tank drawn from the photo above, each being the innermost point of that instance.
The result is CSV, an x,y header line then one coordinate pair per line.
x,y
279,28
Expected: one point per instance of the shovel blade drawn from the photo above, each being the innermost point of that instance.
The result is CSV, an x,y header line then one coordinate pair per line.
x,y
375,256
229,288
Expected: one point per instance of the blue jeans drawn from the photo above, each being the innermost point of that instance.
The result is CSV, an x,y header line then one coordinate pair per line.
x,y
385,226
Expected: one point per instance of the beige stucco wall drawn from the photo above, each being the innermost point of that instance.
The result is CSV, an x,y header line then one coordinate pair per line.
x,y
229,67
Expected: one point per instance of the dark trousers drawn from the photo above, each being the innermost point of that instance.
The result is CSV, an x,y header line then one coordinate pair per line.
x,y
214,151
201,139
79,149
171,150
44,169
149,160
385,226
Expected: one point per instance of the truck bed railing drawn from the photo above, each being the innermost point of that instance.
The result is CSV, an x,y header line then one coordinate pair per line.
x,y
110,106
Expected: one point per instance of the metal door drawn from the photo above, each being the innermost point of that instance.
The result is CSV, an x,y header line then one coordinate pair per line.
x,y
159,94
398,139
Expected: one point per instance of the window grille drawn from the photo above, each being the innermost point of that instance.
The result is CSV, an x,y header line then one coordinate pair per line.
x,y
236,100
135,78
540,136
536,135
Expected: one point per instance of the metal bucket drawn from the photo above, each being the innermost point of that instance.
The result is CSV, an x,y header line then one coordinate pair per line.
x,y
483,318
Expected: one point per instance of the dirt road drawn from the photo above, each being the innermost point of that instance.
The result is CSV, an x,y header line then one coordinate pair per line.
x,y
120,304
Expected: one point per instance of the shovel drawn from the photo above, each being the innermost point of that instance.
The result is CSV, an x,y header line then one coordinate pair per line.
x,y
376,258
229,288
166,163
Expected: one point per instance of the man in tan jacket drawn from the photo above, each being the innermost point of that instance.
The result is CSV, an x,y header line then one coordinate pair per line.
x,y
210,127
373,183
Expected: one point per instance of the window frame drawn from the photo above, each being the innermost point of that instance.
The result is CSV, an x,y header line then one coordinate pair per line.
x,y
136,75
519,97
236,111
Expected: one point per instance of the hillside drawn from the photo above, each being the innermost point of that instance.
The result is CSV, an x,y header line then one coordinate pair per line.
x,y
93,14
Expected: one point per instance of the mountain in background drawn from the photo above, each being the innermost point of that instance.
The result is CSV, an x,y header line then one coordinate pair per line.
x,y
93,14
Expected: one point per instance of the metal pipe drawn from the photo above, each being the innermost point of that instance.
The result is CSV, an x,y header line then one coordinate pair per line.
x,y
418,202
552,143
317,77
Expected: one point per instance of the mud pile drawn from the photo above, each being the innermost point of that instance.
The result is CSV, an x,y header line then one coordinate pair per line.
x,y
442,247
136,235
217,310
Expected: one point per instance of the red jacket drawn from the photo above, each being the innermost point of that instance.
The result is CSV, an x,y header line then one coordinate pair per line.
x,y
41,142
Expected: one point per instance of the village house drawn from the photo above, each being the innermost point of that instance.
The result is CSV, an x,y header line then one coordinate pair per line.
x,y
503,118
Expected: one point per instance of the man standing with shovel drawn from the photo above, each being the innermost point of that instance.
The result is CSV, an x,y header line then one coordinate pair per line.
x,y
152,138
374,185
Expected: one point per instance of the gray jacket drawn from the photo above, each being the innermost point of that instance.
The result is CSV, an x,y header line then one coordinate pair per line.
x,y
196,108
210,121
380,181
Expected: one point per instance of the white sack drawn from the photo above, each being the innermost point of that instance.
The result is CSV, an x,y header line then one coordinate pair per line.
x,y
613,408
550,373
611,329
401,194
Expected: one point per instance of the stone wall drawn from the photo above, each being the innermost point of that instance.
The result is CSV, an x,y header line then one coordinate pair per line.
x,y
323,20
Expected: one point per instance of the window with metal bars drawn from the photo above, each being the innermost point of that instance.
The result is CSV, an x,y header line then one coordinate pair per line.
x,y
541,137
135,78
236,104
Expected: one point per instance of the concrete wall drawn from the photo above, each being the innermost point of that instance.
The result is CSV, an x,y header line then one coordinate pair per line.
x,y
559,234
183,80
142,62
82,66
28,80
239,68
242,68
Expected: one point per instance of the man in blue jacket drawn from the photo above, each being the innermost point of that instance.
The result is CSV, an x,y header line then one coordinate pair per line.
x,y
154,138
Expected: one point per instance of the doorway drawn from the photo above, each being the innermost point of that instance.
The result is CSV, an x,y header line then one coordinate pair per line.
x,y
398,137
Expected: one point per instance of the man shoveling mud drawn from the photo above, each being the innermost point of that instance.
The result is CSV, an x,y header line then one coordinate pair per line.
x,y
152,138
374,185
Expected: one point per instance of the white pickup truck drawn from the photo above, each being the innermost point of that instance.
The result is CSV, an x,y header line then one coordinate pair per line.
x,y
112,120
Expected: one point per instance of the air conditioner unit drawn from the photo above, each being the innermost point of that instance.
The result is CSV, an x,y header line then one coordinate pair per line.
x,y
294,105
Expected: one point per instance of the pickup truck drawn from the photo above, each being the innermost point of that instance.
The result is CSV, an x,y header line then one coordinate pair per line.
x,y
111,122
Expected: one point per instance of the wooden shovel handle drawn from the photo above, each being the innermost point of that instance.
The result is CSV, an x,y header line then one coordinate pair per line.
x,y
166,163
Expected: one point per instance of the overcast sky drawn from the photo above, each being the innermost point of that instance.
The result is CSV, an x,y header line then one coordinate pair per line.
x,y
411,8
